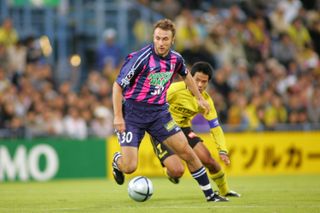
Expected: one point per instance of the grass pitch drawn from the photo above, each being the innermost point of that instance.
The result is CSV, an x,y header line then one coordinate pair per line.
x,y
276,194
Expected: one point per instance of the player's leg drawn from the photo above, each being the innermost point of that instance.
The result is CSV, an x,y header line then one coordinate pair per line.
x,y
216,172
127,161
178,144
174,168
164,129
170,162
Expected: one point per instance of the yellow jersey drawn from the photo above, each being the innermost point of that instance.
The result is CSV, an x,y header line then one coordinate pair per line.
x,y
183,107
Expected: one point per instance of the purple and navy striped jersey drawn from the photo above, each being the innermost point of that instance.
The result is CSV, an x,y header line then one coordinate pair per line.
x,y
146,77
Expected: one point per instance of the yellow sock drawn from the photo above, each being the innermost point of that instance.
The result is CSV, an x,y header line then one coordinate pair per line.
x,y
221,180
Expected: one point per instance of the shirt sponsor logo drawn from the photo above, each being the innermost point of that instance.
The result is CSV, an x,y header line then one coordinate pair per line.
x,y
171,125
159,78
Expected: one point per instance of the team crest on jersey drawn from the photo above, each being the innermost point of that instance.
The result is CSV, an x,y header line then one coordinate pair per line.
x,y
172,67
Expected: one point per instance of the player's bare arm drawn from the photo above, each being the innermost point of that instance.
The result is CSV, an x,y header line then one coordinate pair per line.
x,y
118,122
195,91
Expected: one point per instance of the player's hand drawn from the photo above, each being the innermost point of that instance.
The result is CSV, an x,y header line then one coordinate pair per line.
x,y
204,105
119,124
225,158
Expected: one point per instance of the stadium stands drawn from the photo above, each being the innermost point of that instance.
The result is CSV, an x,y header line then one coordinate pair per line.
x,y
265,55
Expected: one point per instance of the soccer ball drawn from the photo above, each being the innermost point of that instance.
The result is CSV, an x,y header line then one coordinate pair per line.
x,y
140,188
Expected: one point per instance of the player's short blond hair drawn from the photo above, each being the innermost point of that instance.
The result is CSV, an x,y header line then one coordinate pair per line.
x,y
165,24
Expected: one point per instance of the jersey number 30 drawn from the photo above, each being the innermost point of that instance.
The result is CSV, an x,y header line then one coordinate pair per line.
x,y
125,137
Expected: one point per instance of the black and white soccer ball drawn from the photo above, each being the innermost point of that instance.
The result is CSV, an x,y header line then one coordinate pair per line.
x,y
140,188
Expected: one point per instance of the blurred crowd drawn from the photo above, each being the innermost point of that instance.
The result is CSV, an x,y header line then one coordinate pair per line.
x,y
34,105
265,56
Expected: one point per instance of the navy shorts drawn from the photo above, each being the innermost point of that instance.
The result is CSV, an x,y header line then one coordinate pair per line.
x,y
162,151
141,118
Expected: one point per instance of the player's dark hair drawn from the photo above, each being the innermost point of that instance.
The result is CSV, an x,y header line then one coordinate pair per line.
x,y
165,24
203,67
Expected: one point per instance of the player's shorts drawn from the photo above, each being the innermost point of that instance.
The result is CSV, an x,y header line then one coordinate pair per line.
x,y
162,151
141,118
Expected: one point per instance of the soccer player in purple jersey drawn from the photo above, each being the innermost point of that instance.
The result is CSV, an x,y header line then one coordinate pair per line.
x,y
139,103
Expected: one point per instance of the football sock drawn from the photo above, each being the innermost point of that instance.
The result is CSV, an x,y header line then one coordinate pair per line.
x,y
220,179
201,177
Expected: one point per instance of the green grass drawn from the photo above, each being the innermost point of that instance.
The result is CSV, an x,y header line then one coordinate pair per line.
x,y
275,194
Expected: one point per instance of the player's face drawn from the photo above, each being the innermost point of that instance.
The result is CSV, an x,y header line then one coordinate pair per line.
x,y
162,40
201,80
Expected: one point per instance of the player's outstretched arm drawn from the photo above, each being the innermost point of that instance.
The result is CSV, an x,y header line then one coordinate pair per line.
x,y
219,139
195,91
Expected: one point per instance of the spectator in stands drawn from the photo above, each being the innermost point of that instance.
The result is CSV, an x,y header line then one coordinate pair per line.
x,y
74,125
87,116
105,89
7,114
308,58
34,124
109,52
291,9
142,32
239,78
275,113
233,50
212,17
102,124
17,55
284,50
48,91
278,21
299,34
259,36
65,88
93,82
297,112
215,42
255,112
238,119
34,52
187,34
55,123
8,35
17,127
220,80
235,14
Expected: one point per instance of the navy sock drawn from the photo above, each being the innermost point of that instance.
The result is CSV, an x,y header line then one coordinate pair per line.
x,y
201,177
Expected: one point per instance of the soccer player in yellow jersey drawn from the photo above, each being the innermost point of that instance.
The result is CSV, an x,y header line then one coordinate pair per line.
x,y
183,108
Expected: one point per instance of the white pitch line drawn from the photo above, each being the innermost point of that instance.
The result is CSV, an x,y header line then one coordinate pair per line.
x,y
214,206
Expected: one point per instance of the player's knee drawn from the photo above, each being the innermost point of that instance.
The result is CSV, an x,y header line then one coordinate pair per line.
x,y
129,168
207,161
186,149
176,172
212,165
